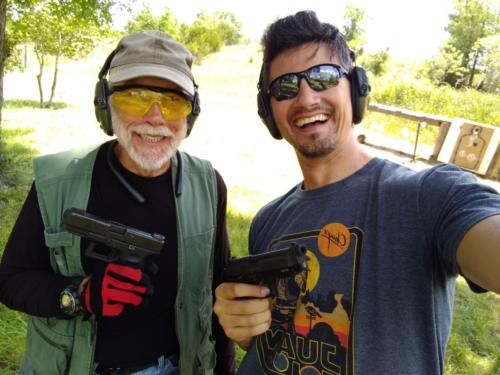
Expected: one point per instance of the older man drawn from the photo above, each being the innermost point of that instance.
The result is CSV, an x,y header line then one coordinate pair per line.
x,y
91,316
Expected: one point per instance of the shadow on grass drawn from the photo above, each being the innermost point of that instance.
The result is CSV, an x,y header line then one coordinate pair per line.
x,y
29,103
15,157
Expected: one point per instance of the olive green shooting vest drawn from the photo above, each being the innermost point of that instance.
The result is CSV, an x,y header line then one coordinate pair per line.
x,y
57,346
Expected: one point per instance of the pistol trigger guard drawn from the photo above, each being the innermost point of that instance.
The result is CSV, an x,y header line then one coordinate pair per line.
x,y
89,252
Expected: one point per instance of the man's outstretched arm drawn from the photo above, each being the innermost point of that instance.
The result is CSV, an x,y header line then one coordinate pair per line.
x,y
478,254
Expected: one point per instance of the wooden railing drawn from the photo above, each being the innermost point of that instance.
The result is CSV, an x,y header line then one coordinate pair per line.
x,y
421,118
443,146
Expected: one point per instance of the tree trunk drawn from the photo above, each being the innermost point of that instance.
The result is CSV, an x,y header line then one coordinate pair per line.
x,y
473,69
3,18
56,70
41,62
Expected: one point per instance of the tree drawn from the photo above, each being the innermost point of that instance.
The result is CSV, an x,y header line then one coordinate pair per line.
x,y
58,28
208,33
471,21
376,62
147,21
446,67
229,27
490,63
353,29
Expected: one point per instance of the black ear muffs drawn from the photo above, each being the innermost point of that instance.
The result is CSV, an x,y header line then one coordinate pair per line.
x,y
101,102
264,107
102,112
195,111
101,95
360,93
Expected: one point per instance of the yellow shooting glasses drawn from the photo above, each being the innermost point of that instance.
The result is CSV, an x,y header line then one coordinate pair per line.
x,y
137,100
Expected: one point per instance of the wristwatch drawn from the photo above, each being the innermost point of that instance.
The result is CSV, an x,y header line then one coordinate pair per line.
x,y
69,299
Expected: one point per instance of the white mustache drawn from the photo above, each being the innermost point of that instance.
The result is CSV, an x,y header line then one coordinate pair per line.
x,y
151,130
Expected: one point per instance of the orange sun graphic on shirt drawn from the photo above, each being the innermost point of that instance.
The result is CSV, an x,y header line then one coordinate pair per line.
x,y
334,239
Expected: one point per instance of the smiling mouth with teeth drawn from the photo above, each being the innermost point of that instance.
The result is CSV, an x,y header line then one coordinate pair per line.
x,y
151,138
302,122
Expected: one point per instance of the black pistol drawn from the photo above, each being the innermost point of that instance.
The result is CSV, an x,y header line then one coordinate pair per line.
x,y
127,244
267,268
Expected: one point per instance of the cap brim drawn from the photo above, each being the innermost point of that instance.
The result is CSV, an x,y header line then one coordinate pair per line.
x,y
131,71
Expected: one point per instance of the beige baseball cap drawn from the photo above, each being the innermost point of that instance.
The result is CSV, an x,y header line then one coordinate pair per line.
x,y
152,53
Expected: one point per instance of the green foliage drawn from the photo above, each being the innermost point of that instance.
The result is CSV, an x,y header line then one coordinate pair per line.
x,y
57,28
207,34
490,63
202,37
471,21
72,28
353,28
375,63
146,20
13,57
445,68
443,100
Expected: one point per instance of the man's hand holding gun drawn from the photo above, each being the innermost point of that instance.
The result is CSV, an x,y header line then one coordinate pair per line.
x,y
243,301
123,274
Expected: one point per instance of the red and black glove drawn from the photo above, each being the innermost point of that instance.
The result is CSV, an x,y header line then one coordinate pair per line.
x,y
113,286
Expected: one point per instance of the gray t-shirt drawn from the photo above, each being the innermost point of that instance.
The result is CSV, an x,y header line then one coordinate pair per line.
x,y
378,294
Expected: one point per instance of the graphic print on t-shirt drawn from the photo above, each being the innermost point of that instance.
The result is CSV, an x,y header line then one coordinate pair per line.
x,y
318,339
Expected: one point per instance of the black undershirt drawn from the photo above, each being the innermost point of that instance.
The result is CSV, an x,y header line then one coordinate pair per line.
x,y
138,335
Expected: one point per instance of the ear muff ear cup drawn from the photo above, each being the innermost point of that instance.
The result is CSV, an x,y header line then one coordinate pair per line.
x,y
195,111
360,93
102,111
265,112
101,95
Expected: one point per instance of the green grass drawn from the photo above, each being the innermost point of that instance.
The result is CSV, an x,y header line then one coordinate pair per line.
x,y
15,179
256,169
474,345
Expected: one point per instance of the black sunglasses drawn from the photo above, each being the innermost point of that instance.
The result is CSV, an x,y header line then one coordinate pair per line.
x,y
319,77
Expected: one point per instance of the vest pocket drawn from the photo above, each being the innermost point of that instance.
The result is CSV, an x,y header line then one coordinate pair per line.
x,y
48,346
57,242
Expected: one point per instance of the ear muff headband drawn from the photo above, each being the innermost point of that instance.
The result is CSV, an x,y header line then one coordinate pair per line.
x,y
101,95
101,101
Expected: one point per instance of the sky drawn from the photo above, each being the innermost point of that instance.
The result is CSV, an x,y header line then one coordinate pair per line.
x,y
409,28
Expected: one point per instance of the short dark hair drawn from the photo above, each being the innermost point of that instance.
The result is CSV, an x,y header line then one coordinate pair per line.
x,y
298,29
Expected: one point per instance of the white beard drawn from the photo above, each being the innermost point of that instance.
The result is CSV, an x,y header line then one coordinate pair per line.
x,y
147,158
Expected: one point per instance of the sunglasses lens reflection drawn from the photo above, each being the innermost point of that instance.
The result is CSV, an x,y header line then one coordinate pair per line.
x,y
319,77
